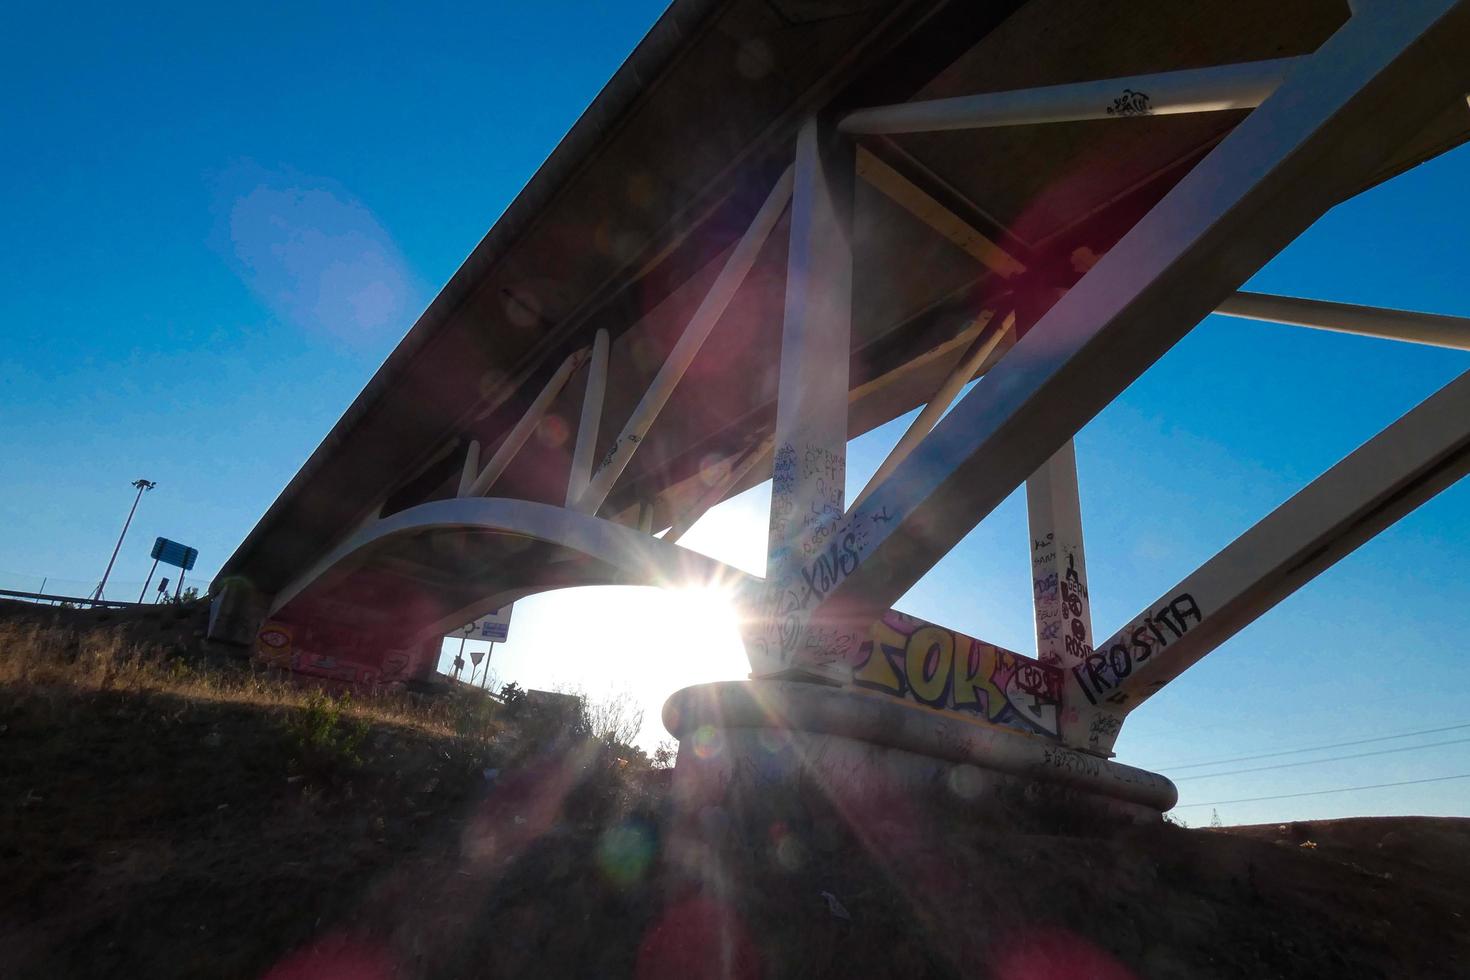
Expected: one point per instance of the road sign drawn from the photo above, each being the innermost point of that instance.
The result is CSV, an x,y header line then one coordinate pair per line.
x,y
173,553
494,626
476,656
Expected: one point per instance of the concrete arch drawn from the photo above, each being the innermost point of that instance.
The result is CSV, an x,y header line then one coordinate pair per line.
x,y
439,565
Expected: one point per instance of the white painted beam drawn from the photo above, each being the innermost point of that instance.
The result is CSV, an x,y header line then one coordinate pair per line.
x,y
522,430
810,456
592,399
1406,464
470,470
963,372
922,205
1058,562
715,302
1366,321
1060,594
1278,171
1242,86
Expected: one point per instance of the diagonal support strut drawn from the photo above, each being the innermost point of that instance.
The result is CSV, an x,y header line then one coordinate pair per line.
x,y
1403,466
1304,149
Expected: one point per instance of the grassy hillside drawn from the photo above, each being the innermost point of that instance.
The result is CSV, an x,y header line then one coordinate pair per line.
x,y
166,812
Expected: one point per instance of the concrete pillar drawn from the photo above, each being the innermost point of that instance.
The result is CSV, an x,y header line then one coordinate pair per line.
x,y
236,612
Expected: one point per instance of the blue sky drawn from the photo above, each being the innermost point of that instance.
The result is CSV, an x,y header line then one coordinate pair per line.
x,y
213,229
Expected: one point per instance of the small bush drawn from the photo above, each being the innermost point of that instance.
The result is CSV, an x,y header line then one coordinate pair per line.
x,y
321,733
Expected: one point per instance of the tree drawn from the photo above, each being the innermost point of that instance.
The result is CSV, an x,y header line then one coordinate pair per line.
x,y
617,721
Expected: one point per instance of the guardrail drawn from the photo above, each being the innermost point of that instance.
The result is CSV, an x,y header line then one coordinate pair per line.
x,y
39,597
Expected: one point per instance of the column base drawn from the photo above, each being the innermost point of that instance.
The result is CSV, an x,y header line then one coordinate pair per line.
x,y
743,739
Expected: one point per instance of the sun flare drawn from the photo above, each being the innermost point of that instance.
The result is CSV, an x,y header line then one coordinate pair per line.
x,y
702,611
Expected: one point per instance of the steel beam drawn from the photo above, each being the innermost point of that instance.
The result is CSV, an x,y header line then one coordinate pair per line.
x,y
961,374
1342,111
1406,464
1058,564
469,471
1242,86
1366,321
922,205
587,428
522,430
715,302
809,469
1060,594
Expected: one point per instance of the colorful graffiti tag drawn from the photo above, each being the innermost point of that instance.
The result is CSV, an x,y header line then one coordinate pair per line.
x,y
908,658
336,655
273,644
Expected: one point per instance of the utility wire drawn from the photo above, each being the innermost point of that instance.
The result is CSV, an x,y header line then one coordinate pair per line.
x,y
1324,792
1316,762
1315,748
1141,729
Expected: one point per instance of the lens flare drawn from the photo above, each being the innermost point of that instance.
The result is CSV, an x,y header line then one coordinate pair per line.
x,y
708,742
624,853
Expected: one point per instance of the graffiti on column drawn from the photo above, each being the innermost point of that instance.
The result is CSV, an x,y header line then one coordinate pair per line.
x,y
1063,633
1063,616
806,521
936,667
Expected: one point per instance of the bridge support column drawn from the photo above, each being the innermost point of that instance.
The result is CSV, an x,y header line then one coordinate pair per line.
x,y
809,467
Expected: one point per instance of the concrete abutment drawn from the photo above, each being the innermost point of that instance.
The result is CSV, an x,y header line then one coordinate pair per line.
x,y
744,740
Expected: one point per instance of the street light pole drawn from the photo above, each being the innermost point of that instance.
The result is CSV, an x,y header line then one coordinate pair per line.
x,y
141,485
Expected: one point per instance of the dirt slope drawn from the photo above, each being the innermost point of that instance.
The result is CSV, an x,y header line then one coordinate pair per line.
x,y
156,824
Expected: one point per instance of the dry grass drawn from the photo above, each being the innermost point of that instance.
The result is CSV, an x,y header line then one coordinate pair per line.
x,y
39,656
167,812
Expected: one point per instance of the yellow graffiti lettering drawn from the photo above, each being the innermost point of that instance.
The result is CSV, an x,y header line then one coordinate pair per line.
x,y
972,674
928,661
877,671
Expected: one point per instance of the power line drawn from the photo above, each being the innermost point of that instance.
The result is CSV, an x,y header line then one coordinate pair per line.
x,y
1316,762
1324,792
1315,748
1142,730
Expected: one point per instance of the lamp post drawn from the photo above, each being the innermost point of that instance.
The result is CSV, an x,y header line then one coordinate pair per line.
x,y
141,485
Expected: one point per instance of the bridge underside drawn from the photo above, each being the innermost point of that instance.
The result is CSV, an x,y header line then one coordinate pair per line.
x,y
378,606
786,223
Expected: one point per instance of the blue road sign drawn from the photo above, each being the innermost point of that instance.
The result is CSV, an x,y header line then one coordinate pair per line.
x,y
493,626
173,553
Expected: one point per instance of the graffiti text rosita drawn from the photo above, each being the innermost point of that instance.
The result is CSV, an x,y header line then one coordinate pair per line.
x,y
1103,669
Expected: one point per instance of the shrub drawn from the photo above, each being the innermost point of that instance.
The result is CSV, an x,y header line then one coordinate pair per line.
x,y
321,732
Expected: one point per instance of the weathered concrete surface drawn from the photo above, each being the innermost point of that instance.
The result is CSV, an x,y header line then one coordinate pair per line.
x,y
236,611
747,738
